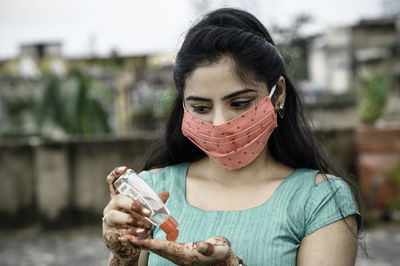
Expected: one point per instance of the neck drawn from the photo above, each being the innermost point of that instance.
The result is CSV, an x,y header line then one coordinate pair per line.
x,y
262,168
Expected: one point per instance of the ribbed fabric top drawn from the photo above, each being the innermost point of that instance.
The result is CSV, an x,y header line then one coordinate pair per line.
x,y
268,234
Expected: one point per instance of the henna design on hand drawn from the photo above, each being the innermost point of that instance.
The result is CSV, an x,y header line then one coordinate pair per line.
x,y
214,251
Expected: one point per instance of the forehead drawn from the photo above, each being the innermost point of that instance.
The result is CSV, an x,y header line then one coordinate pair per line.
x,y
217,79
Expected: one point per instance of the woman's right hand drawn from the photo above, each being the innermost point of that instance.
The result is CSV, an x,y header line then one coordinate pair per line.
x,y
123,216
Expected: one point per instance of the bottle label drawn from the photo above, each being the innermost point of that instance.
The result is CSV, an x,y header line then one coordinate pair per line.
x,y
125,188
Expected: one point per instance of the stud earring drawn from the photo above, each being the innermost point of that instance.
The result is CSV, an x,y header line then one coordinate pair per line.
x,y
281,111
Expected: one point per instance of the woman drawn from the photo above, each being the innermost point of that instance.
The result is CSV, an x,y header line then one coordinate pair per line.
x,y
249,184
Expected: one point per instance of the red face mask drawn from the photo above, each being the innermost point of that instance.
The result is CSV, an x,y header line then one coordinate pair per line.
x,y
236,143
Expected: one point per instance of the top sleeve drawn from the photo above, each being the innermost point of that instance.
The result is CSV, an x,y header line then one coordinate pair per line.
x,y
330,201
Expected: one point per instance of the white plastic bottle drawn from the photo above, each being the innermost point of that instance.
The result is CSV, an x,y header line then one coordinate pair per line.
x,y
132,185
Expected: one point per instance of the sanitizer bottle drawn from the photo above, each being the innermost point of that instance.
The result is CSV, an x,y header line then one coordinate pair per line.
x,y
132,185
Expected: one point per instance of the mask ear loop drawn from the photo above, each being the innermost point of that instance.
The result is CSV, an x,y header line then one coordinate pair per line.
x,y
281,109
272,92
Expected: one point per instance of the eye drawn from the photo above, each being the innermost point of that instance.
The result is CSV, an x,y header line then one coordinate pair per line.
x,y
241,104
200,109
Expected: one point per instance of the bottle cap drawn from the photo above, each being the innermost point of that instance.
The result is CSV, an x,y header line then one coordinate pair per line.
x,y
169,227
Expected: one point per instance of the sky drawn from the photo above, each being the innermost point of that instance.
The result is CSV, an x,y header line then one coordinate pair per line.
x,y
85,27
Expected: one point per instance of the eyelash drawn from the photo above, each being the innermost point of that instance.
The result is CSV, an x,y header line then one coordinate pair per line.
x,y
235,105
241,104
197,108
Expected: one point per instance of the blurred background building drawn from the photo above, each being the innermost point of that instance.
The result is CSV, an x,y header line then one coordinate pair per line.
x,y
70,113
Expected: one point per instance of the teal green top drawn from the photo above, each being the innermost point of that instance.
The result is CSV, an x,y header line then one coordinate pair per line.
x,y
269,233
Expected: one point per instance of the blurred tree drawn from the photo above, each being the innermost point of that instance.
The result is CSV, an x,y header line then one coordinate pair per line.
x,y
374,93
295,45
74,105
79,109
49,106
18,111
86,113
154,113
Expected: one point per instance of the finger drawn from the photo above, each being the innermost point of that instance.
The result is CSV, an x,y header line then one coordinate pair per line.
x,y
138,232
114,233
119,202
182,253
219,241
156,245
127,204
217,247
152,244
217,252
117,172
207,249
139,209
114,217
164,195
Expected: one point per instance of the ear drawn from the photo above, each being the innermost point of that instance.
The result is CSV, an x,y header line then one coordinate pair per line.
x,y
279,96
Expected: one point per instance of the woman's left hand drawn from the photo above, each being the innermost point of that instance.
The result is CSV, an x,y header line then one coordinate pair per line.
x,y
213,251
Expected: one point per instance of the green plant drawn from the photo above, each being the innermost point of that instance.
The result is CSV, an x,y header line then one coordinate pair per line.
x,y
77,109
374,95
164,104
151,113
393,179
87,113
76,104
158,108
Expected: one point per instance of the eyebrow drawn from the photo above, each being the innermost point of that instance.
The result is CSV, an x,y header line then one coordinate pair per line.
x,y
236,93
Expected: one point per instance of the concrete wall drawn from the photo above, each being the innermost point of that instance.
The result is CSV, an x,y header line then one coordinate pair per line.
x,y
60,183
63,183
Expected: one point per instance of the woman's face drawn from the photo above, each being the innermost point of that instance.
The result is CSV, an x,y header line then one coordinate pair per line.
x,y
214,94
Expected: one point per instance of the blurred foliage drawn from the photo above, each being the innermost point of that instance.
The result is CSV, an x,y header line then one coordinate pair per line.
x,y
18,110
373,94
294,46
393,177
85,113
148,113
71,105
164,104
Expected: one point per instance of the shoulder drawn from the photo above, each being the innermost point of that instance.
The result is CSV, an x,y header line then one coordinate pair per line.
x,y
322,177
168,168
306,181
155,170
327,184
330,199
168,178
166,172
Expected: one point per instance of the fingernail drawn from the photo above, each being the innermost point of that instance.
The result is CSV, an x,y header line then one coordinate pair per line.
x,y
131,221
139,231
121,169
146,211
206,249
122,238
136,239
202,248
139,222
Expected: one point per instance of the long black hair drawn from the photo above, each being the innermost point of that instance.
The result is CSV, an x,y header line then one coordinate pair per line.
x,y
242,37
